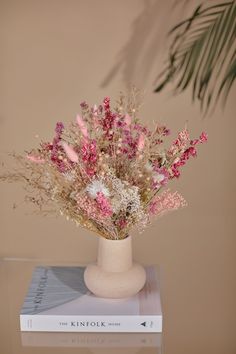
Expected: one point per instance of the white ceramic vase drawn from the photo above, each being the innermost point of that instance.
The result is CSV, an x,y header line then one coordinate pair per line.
x,y
115,275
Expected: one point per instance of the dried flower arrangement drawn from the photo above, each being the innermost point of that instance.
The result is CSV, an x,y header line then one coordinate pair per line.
x,y
106,171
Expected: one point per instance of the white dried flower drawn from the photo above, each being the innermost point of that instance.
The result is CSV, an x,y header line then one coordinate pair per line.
x,y
125,197
97,186
158,177
132,199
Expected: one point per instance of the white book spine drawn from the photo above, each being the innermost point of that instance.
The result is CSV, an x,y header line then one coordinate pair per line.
x,y
58,323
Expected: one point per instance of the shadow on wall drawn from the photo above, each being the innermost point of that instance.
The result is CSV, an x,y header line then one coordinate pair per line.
x,y
147,41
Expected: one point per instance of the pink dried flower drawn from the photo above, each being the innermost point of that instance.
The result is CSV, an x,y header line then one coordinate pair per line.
x,y
181,161
89,207
89,152
203,137
180,144
59,128
191,151
141,142
162,130
127,120
100,109
84,105
104,204
71,154
95,110
56,149
160,177
165,202
90,171
175,171
188,152
131,148
109,120
194,142
121,124
35,159
121,223
46,146
89,156
142,129
106,103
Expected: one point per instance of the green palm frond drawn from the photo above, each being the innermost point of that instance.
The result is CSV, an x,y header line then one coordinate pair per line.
x,y
203,54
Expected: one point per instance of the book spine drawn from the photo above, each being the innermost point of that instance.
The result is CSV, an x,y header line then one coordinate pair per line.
x,y
46,323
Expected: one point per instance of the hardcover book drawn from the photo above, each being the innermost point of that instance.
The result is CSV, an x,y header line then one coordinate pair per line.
x,y
59,301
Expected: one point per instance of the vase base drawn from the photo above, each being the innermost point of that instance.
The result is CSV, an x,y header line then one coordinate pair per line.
x,y
114,285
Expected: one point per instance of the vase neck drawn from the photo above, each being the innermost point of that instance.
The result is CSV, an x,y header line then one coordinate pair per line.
x,y
115,255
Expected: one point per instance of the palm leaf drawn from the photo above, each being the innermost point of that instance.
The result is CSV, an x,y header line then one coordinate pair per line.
x,y
202,54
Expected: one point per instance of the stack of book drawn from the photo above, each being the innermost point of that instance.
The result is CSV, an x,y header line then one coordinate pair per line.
x,y
58,301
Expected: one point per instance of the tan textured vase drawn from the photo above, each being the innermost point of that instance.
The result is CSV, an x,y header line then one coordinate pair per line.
x,y
115,275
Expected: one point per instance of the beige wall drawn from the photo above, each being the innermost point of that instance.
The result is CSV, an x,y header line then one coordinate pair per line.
x,y
56,53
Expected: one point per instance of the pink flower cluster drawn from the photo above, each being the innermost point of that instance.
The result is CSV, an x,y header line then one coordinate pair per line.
x,y
108,120
96,209
89,207
162,177
104,205
181,144
115,165
166,202
121,223
55,148
89,156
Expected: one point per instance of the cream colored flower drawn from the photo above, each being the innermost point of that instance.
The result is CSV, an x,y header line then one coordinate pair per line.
x,y
97,186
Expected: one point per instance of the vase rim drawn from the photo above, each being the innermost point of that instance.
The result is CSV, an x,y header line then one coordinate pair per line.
x,y
122,239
